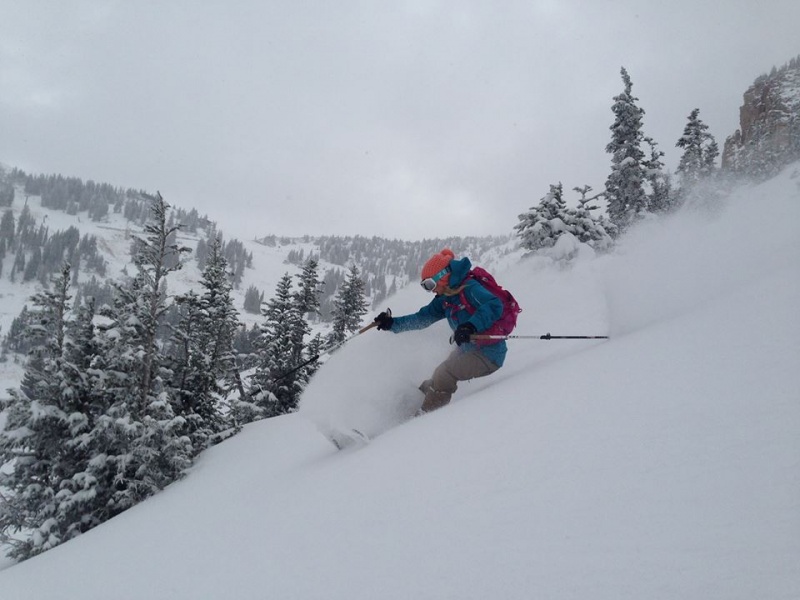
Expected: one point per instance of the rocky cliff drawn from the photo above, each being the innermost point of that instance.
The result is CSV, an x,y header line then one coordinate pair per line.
x,y
769,125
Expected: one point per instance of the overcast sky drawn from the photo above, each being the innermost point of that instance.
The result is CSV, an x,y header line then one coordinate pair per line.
x,y
407,119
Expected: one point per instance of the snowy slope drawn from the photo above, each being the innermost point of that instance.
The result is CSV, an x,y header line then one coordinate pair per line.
x,y
115,238
659,464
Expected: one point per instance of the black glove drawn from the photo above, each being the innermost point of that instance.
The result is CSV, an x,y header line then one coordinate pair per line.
x,y
463,333
384,320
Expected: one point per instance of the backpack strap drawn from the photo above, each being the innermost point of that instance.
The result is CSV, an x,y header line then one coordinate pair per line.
x,y
462,304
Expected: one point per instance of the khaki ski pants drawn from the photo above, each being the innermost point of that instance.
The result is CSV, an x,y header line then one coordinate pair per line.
x,y
459,366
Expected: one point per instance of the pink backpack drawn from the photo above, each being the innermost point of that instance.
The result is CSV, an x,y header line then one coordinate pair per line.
x,y
511,309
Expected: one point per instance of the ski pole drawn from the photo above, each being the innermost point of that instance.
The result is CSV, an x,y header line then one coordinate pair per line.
x,y
547,336
327,351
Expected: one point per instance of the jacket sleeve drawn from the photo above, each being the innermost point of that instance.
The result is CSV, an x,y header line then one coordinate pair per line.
x,y
424,317
488,307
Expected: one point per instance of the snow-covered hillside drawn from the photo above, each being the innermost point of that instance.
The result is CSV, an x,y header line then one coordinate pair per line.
x,y
114,235
659,464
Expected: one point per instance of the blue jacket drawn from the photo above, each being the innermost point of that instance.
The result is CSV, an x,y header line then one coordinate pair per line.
x,y
488,308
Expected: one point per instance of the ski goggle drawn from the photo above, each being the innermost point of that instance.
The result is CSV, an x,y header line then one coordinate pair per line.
x,y
429,284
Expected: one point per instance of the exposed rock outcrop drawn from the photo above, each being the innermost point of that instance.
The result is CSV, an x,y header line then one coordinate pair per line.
x,y
769,125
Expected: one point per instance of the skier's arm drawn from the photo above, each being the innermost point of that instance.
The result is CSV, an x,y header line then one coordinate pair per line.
x,y
424,317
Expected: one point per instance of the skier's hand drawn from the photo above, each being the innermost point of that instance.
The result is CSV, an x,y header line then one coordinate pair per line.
x,y
384,320
463,333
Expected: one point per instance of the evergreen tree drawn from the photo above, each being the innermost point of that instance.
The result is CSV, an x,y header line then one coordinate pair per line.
x,y
660,198
139,440
314,348
700,151
203,357
17,266
201,253
245,342
349,307
276,383
595,232
14,340
253,299
156,257
244,407
172,259
7,227
307,304
32,266
6,193
25,228
542,225
52,493
697,168
310,289
710,158
625,191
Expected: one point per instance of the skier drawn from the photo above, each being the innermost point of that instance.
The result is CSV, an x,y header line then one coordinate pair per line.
x,y
469,308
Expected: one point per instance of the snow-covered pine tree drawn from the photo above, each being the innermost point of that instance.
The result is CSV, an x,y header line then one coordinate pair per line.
x,y
310,289
80,350
625,192
42,446
697,168
252,300
32,265
710,158
7,228
314,348
541,226
139,443
156,257
593,231
660,198
276,386
6,191
307,299
203,358
201,253
349,307
700,151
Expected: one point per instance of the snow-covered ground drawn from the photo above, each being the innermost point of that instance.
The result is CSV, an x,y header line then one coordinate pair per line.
x,y
115,238
662,463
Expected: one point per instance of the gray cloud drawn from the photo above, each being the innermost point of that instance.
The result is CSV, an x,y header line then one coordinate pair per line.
x,y
405,119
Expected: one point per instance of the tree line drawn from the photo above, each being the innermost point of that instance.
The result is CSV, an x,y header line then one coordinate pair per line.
x,y
637,185
39,253
118,400
74,196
